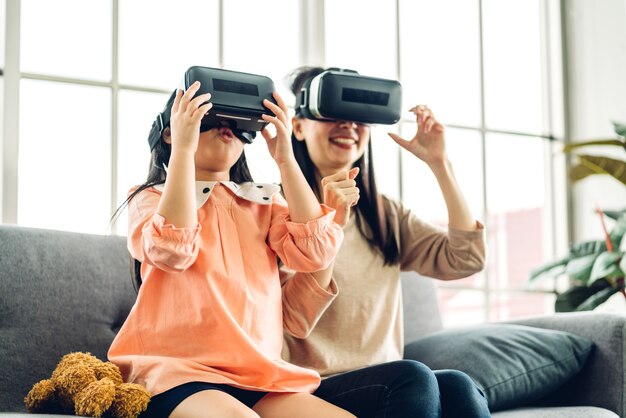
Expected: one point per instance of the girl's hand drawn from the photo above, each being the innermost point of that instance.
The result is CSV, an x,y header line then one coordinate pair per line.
x,y
279,146
341,193
187,113
428,144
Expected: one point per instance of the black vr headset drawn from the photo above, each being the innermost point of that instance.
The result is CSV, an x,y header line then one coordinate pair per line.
x,y
237,101
337,94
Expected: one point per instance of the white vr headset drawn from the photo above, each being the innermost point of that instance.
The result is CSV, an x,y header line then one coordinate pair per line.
x,y
346,95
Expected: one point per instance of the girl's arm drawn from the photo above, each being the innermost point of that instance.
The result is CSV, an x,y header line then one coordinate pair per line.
x,y
324,277
341,194
304,301
302,203
177,204
428,145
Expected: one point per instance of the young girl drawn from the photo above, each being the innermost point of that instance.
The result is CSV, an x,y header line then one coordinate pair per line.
x,y
205,334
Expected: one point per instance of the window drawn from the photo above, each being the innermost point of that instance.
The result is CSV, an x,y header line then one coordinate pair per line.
x,y
483,66
137,111
64,160
52,47
440,58
255,43
172,37
96,95
352,39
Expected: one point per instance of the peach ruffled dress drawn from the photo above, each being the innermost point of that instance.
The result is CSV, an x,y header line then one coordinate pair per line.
x,y
211,307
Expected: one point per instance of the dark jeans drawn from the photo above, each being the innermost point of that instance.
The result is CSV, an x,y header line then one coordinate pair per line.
x,y
404,389
460,397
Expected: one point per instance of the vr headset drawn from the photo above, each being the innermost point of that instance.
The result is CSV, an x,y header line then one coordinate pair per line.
x,y
337,94
237,101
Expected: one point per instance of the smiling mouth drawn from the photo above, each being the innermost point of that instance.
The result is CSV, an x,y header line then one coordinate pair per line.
x,y
344,141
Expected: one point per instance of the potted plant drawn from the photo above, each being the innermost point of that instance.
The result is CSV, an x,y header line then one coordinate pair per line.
x,y
596,268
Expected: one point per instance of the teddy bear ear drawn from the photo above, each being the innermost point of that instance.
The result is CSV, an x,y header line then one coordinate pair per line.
x,y
40,397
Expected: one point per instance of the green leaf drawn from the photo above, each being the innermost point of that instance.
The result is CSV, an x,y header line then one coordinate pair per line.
x,y
559,266
576,145
618,231
587,247
569,300
619,128
551,269
605,266
580,268
597,299
614,214
592,164
622,264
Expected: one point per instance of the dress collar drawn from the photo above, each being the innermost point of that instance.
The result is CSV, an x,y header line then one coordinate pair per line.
x,y
260,193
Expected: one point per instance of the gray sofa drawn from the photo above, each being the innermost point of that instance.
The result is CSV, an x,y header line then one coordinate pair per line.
x,y
62,292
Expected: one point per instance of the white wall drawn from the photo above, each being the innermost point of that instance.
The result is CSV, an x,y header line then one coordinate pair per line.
x,y
2,35
596,49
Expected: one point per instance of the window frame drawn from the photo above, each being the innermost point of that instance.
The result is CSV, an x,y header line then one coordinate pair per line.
x,y
312,52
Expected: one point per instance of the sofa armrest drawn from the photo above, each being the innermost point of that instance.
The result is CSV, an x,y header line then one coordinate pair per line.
x,y
602,380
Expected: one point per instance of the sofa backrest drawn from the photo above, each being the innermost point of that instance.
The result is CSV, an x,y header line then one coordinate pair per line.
x,y
59,292
62,292
421,306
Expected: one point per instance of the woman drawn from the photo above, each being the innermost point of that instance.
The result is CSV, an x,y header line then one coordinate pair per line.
x,y
363,326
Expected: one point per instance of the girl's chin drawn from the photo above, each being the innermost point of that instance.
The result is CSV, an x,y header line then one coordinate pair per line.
x,y
215,163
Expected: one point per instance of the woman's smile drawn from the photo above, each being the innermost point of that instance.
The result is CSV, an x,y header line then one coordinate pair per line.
x,y
344,142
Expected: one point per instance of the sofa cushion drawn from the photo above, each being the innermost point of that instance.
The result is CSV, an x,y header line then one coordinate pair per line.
x,y
559,412
513,364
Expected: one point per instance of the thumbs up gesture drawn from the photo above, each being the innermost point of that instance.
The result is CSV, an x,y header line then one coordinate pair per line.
x,y
341,193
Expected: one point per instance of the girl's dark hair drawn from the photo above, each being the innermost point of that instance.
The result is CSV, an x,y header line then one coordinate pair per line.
x,y
370,209
159,159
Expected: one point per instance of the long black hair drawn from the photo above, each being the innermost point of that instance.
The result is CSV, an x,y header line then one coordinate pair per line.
x,y
370,209
159,159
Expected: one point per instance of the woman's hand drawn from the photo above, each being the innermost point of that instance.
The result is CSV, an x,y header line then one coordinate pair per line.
x,y
429,143
341,193
187,113
279,145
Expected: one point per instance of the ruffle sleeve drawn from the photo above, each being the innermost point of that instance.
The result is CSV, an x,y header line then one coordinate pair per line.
x,y
152,240
304,247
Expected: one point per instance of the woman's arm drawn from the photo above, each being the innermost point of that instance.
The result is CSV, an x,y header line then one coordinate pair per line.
x,y
429,145
459,214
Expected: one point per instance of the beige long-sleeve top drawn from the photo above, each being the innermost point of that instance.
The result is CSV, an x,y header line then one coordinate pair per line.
x,y
364,326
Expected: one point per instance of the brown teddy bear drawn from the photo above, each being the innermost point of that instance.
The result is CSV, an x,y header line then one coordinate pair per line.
x,y
82,384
